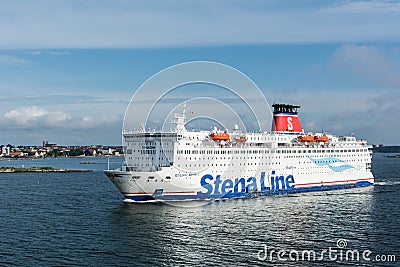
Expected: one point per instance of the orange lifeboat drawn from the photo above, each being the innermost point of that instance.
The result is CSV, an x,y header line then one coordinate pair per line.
x,y
306,138
219,136
321,138
240,139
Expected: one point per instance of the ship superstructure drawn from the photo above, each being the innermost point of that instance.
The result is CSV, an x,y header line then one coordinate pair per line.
x,y
185,165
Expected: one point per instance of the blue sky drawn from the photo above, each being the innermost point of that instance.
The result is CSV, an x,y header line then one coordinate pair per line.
x,y
69,68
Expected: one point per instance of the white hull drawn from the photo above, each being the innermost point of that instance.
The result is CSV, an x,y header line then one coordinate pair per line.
x,y
182,165
314,173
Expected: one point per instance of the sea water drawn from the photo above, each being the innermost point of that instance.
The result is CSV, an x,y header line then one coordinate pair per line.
x,y
80,219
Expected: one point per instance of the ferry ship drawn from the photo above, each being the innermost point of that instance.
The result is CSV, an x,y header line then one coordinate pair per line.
x,y
194,165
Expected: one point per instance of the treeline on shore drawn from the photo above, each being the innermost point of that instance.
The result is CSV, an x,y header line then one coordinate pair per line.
x,y
71,153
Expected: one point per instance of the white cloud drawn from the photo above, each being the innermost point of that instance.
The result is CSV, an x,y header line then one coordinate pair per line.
x,y
36,52
23,116
369,62
57,53
364,7
31,117
34,117
8,59
49,52
131,24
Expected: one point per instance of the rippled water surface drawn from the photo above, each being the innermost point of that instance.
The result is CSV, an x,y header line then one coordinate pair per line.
x,y
49,219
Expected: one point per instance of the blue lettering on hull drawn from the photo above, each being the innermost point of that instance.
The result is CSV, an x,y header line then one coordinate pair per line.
x,y
215,188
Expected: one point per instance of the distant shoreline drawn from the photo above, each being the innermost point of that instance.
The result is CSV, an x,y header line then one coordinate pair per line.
x,y
68,157
37,169
386,149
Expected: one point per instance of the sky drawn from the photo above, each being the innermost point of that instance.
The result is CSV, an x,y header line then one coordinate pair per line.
x,y
68,69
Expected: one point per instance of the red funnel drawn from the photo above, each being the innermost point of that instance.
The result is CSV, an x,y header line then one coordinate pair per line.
x,y
286,119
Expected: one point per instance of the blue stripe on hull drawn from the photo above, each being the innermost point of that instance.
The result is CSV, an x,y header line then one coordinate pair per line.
x,y
141,198
251,194
362,183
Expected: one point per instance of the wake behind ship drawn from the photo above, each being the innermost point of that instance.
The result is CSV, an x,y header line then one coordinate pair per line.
x,y
183,165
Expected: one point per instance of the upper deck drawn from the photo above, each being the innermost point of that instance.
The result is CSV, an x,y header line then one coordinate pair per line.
x,y
152,150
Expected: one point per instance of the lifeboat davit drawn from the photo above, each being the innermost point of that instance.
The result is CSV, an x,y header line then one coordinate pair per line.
x,y
219,136
306,138
321,138
240,139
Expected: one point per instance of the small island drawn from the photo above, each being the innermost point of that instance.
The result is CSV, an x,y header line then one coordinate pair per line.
x,y
36,169
394,156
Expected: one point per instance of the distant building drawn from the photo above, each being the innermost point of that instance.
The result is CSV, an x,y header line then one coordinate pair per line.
x,y
47,144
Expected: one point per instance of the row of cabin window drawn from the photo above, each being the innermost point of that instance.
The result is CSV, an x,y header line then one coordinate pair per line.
x,y
147,151
267,158
147,158
248,164
269,151
150,143
250,138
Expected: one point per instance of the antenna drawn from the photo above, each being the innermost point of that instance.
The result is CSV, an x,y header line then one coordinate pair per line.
x,y
184,110
179,120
